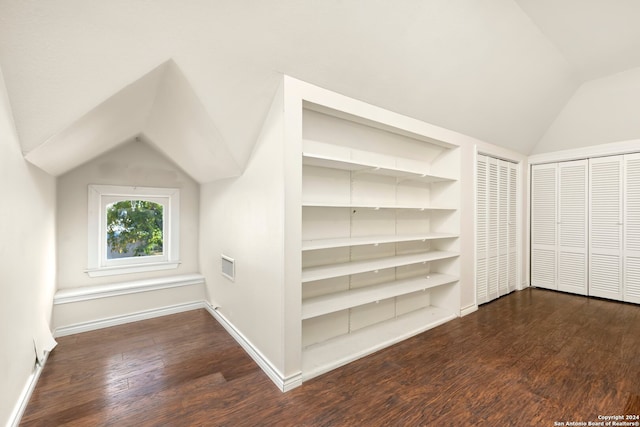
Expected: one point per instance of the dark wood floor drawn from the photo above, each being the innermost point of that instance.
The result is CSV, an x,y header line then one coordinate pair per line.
x,y
534,357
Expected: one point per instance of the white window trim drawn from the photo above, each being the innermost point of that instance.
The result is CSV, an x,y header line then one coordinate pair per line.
x,y
102,195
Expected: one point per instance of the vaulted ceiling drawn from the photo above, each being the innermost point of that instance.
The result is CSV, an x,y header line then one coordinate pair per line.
x,y
500,71
597,37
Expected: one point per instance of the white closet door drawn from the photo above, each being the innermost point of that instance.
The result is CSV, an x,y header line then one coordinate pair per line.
x,y
512,206
492,228
543,226
631,274
605,234
496,228
482,217
572,226
503,227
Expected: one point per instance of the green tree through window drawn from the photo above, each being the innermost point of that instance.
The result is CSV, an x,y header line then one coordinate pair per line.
x,y
134,228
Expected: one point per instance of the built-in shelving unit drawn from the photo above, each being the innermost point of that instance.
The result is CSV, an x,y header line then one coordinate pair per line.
x,y
380,227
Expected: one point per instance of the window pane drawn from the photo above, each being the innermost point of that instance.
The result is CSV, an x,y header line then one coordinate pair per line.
x,y
134,228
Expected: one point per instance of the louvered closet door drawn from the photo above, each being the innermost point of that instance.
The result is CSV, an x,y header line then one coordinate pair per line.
x,y
493,271
482,216
572,226
631,274
503,227
605,234
543,226
496,228
512,197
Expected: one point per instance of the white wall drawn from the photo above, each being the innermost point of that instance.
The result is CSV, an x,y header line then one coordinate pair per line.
x,y
243,218
27,259
601,111
135,164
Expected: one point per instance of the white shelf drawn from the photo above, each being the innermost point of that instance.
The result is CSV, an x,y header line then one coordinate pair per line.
x,y
325,356
375,206
312,159
336,270
309,245
325,304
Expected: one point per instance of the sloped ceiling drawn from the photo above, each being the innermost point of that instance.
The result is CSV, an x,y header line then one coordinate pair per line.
x,y
598,37
162,108
486,69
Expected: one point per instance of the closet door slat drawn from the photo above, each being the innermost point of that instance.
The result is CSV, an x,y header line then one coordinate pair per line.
x,y
503,227
605,231
543,226
513,227
482,290
572,226
493,236
496,228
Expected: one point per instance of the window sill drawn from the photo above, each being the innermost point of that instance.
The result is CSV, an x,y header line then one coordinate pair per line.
x,y
135,268
71,295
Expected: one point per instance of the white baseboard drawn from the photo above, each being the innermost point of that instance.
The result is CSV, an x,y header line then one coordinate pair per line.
x,y
126,318
284,384
27,391
468,309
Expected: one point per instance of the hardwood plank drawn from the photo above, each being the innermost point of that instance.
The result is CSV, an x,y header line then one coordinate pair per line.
x,y
531,358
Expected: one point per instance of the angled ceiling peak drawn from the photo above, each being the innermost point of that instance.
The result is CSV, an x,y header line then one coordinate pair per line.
x,y
162,106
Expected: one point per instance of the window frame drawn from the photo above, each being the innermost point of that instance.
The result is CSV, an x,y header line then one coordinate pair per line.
x,y
100,196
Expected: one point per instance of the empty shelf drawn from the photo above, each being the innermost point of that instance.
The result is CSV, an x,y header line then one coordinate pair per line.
x,y
374,206
308,245
312,159
344,269
324,304
322,357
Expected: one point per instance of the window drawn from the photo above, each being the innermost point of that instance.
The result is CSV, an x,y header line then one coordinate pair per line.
x,y
132,229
